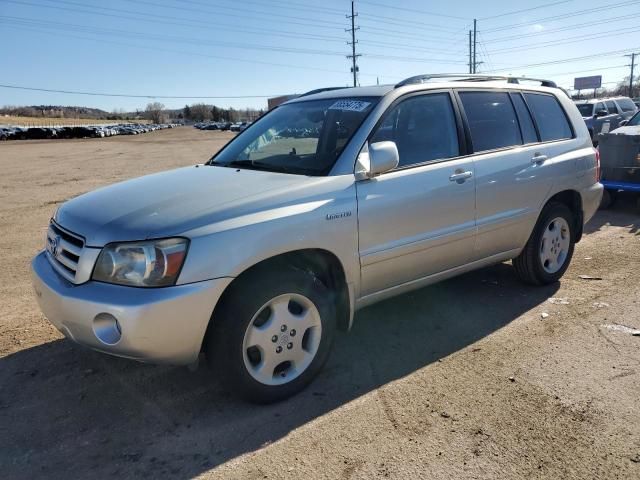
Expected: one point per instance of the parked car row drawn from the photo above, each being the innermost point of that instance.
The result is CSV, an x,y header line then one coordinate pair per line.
x,y
603,115
87,131
234,127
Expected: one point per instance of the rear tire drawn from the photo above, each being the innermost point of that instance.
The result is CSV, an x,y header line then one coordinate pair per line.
x,y
547,254
272,334
609,198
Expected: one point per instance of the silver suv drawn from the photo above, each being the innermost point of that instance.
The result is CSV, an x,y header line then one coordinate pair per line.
x,y
328,203
606,114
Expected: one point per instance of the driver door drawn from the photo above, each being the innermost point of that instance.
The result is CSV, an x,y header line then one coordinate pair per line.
x,y
419,219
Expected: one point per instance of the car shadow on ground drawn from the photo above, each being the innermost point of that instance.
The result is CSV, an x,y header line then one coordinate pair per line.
x,y
66,412
625,212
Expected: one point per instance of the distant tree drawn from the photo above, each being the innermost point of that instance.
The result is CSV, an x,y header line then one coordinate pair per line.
x,y
154,112
186,112
200,112
215,113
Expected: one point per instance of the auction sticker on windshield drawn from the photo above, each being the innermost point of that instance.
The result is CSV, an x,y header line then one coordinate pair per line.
x,y
350,105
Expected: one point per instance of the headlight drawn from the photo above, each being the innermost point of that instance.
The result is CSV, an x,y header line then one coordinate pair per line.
x,y
153,263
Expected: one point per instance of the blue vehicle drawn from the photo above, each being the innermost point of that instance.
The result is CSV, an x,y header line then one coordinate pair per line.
x,y
620,160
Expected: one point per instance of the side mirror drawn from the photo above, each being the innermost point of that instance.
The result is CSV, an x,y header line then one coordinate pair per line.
x,y
623,123
602,113
383,156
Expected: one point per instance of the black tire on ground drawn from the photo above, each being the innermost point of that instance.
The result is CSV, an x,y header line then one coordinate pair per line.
x,y
609,198
528,264
224,342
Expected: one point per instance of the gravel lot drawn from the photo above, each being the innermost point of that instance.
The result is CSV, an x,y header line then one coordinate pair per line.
x,y
464,379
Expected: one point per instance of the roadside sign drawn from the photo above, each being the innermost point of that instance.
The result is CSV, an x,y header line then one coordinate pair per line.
x,y
587,83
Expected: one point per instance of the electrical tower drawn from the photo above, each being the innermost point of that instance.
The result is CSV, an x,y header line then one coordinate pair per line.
x,y
633,64
353,56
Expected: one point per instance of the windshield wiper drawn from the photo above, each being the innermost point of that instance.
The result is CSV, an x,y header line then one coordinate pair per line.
x,y
254,165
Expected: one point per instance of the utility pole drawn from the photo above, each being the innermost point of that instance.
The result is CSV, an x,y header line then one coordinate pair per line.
x,y
470,54
353,56
475,44
633,64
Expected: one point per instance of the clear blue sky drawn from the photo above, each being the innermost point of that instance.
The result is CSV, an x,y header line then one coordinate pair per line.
x,y
271,47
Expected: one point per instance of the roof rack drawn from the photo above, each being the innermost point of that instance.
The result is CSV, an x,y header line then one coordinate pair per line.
x,y
472,77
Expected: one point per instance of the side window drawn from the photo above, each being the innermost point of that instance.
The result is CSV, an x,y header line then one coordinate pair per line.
x,y
599,106
626,104
612,107
423,128
492,120
550,117
529,134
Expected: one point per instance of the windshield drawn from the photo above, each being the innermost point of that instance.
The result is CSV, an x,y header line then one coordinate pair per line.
x,y
586,109
635,120
302,138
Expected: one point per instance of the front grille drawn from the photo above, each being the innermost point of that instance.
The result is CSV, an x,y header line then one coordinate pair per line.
x,y
64,250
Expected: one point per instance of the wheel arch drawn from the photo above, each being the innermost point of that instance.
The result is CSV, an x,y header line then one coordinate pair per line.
x,y
573,200
323,264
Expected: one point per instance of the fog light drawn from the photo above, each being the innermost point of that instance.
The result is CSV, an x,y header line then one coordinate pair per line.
x,y
107,328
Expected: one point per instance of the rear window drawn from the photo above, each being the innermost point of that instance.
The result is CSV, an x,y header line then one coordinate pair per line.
x,y
626,104
492,120
549,116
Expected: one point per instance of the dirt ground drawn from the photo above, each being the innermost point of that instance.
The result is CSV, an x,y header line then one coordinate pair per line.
x,y
460,380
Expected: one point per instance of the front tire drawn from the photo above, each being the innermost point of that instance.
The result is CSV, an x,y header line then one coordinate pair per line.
x,y
547,254
271,334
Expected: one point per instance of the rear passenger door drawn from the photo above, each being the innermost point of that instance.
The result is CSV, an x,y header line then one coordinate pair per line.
x,y
512,164
615,115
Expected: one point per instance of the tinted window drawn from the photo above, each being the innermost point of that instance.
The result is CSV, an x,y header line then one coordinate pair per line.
x,y
600,106
586,109
302,138
524,117
550,117
626,104
492,120
611,106
424,128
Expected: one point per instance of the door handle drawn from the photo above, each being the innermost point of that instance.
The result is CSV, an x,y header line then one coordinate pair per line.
x,y
538,159
460,176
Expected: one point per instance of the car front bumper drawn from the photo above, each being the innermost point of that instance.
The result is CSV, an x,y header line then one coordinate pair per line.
x,y
158,325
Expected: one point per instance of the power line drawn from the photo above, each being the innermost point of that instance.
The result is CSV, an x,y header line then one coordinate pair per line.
x,y
294,6
404,23
145,16
562,16
197,41
100,94
299,6
46,23
569,60
244,11
406,35
546,5
585,71
182,52
412,10
600,21
566,40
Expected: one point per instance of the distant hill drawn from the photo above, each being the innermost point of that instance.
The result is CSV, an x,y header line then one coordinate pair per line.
x,y
59,111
